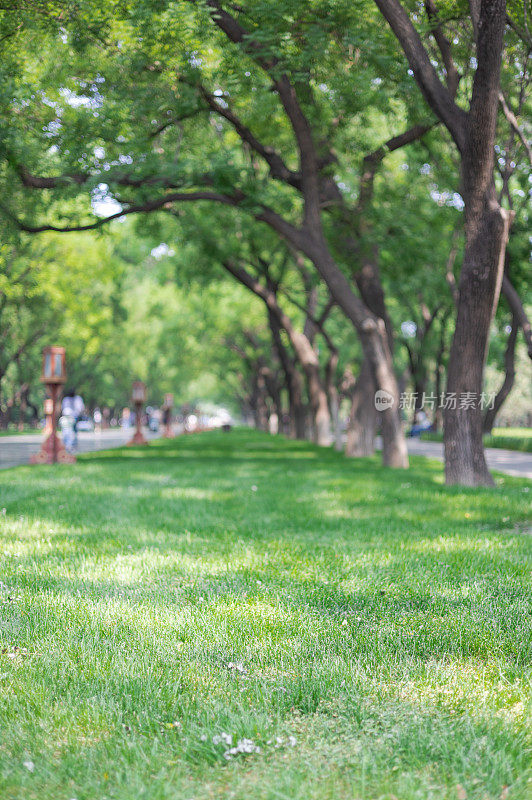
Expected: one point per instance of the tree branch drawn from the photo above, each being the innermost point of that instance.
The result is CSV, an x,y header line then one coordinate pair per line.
x,y
518,311
444,46
372,160
436,94
524,35
151,205
309,166
277,166
512,120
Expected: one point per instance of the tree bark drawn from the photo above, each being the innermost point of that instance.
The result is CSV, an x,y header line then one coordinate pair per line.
x,y
439,373
294,385
363,416
275,407
486,237
316,390
334,399
260,404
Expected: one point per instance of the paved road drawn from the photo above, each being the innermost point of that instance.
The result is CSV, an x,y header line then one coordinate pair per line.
x,y
509,461
16,450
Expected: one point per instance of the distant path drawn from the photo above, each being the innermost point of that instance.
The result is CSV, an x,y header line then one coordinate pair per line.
x,y
512,462
16,450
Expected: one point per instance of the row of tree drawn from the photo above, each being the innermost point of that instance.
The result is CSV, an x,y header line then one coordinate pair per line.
x,y
121,315
360,162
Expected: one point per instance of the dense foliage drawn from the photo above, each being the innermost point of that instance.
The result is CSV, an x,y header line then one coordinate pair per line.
x,y
155,111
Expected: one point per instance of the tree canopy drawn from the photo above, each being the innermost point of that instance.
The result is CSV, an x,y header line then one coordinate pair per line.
x,y
319,148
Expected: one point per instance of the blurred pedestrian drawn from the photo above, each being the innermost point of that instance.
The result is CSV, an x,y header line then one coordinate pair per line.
x,y
67,422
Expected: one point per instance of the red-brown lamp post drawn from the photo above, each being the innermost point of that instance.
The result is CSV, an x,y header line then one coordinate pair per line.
x,y
138,397
54,376
167,415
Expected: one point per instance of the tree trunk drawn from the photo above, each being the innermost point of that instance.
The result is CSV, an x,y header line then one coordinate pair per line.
x,y
318,401
260,404
486,234
334,401
486,223
275,407
480,281
363,412
420,384
334,398
294,384
298,415
386,399
509,377
363,417
375,346
439,373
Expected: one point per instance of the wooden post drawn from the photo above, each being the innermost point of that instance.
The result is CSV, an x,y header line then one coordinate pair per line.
x,y
53,375
138,396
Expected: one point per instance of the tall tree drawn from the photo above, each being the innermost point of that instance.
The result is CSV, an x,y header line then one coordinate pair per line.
x,y
486,221
312,179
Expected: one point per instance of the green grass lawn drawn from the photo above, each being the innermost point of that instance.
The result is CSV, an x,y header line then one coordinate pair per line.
x,y
368,631
503,438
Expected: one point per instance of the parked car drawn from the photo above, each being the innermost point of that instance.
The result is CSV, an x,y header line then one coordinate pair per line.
x,y
85,423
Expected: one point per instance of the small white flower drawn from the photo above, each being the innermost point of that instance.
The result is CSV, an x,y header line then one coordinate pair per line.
x,y
237,666
203,737
292,741
245,746
254,488
344,621
216,739
30,766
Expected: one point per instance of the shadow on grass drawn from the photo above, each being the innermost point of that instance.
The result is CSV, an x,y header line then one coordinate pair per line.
x,y
138,574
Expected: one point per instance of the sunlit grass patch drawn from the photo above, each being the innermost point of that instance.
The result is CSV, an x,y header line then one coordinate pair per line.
x,y
353,631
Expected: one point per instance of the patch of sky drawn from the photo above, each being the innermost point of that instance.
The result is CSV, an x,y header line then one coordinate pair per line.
x,y
102,201
161,251
408,328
